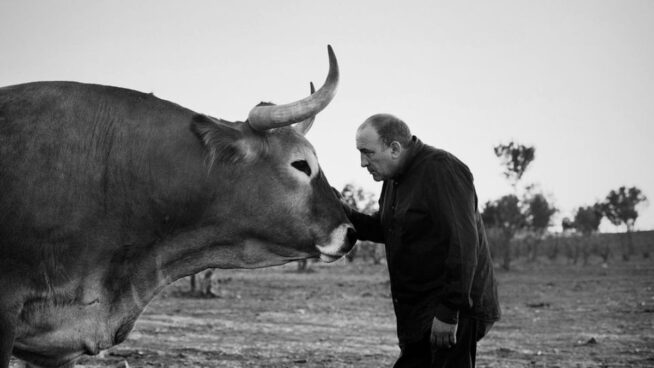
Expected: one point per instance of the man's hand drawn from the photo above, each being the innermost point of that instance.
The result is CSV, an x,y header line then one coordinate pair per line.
x,y
443,335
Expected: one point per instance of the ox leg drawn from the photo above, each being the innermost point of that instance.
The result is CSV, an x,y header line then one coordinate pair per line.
x,y
7,334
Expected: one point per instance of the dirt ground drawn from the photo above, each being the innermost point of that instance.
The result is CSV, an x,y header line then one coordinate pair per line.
x,y
340,315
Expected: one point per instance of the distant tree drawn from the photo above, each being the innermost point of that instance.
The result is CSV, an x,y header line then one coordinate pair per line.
x,y
620,208
538,213
567,224
587,221
516,159
505,214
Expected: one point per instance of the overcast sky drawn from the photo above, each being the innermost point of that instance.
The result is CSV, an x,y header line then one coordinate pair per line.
x,y
575,79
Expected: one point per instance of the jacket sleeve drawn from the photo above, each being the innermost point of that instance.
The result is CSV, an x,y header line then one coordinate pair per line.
x,y
453,204
368,227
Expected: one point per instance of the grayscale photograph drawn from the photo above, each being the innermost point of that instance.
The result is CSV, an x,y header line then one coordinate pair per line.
x,y
290,184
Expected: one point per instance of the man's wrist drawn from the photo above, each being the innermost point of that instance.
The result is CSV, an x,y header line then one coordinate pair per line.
x,y
446,314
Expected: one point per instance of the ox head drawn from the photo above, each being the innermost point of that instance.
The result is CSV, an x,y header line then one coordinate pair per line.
x,y
273,195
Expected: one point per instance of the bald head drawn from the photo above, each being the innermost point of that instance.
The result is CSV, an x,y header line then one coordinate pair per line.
x,y
389,128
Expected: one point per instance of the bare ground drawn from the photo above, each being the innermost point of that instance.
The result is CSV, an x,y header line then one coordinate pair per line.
x,y
341,315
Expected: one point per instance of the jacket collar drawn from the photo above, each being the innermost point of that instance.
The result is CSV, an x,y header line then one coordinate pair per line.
x,y
414,148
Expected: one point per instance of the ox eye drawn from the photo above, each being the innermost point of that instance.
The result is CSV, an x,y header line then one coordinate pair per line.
x,y
302,166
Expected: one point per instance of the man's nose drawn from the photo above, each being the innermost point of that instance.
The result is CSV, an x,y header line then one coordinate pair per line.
x,y
364,161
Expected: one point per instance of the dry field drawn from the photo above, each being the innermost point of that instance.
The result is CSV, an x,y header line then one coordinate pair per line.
x,y
340,315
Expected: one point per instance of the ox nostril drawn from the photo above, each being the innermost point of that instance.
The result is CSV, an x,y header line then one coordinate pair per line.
x,y
351,235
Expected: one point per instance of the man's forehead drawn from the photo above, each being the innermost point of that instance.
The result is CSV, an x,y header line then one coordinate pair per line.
x,y
367,137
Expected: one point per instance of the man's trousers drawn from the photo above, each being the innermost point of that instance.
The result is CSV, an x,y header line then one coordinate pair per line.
x,y
420,354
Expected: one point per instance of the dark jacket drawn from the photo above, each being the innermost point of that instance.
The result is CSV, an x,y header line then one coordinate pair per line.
x,y
436,248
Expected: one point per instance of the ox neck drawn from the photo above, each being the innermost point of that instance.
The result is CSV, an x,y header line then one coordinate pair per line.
x,y
213,247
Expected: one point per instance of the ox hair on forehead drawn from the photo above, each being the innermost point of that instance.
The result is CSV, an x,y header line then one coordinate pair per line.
x,y
390,128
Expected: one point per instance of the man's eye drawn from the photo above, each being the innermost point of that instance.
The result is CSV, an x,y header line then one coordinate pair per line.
x,y
302,166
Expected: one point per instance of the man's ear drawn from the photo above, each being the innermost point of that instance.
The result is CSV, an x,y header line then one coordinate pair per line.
x,y
396,149
225,142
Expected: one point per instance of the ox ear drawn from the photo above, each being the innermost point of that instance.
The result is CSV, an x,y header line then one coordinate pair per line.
x,y
224,141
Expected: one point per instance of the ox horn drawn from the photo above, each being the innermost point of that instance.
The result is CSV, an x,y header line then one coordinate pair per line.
x,y
304,126
275,116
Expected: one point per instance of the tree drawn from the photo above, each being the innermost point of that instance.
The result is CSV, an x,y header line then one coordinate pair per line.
x,y
538,213
567,224
568,227
587,221
505,214
620,208
516,158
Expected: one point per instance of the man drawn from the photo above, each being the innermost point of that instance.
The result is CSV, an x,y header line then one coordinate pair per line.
x,y
442,283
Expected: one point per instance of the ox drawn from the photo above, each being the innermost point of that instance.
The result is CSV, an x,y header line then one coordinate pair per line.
x,y
108,195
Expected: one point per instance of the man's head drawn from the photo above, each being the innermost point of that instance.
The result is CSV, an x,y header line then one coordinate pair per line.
x,y
383,140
